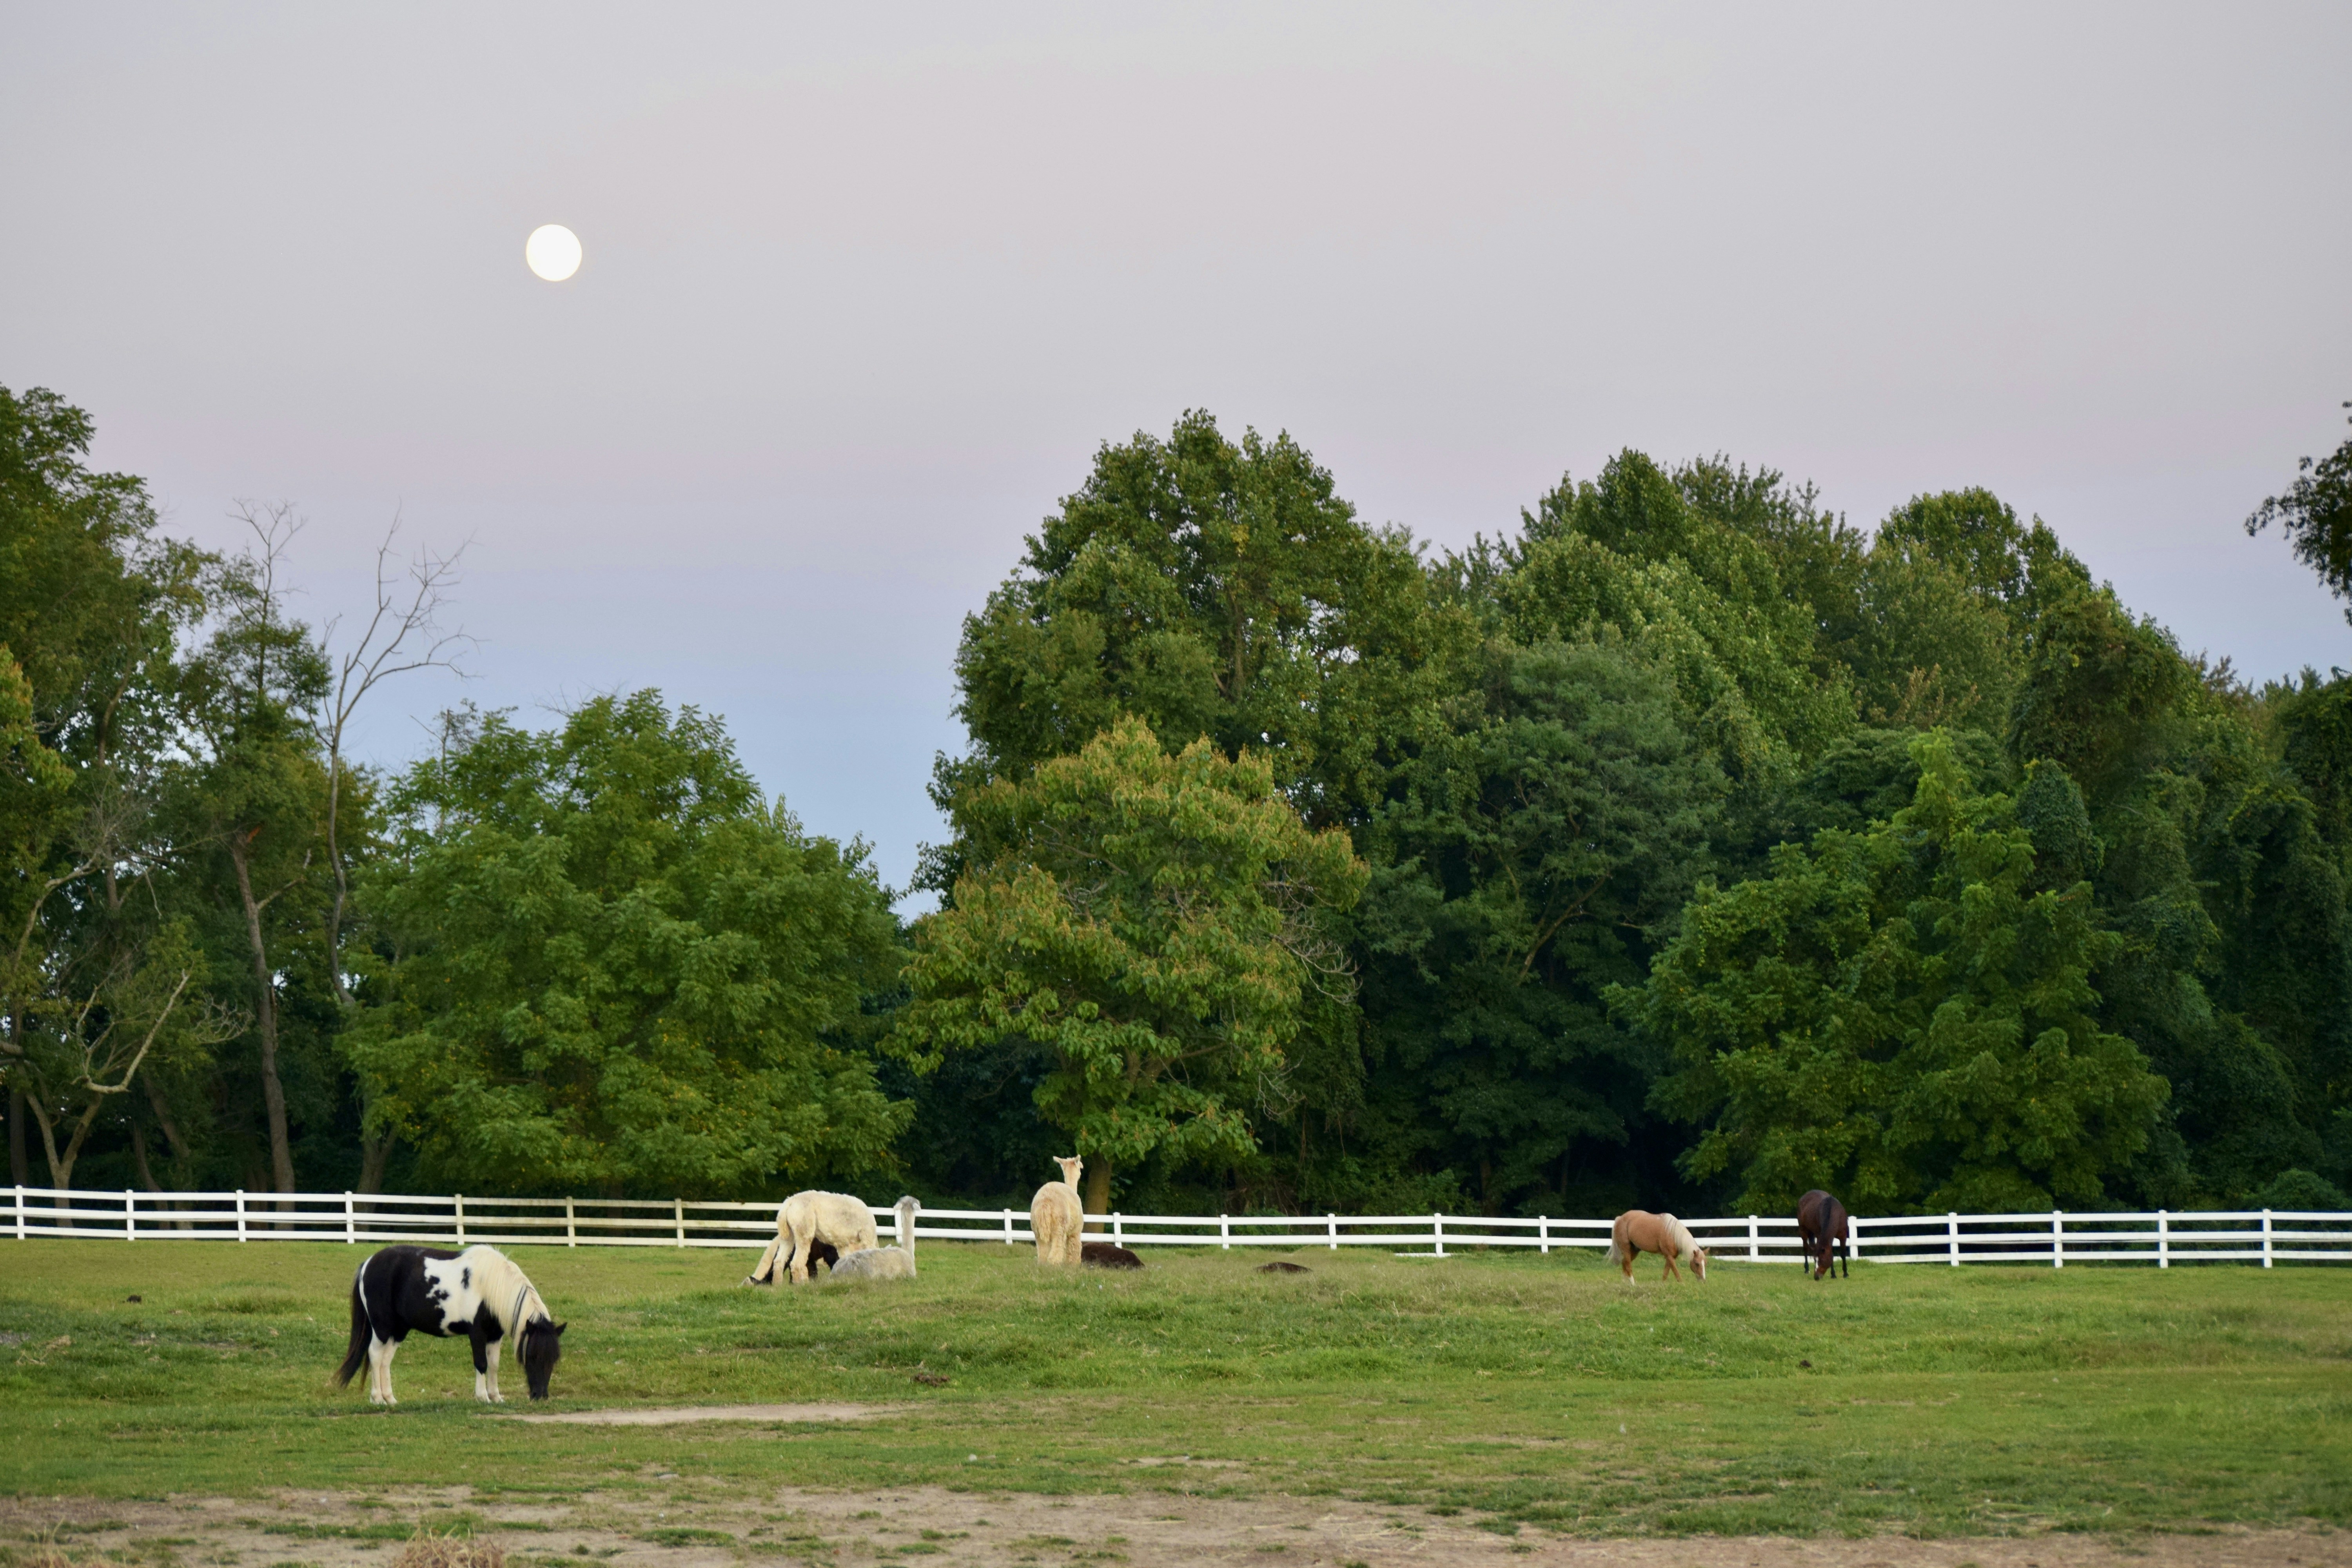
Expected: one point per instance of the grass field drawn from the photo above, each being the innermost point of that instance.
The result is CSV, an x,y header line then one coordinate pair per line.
x,y
1534,1392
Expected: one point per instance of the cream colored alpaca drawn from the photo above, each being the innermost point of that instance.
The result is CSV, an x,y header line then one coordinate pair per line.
x,y
1057,1216
842,1222
884,1262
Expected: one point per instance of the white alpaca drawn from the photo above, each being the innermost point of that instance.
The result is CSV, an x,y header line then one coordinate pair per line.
x,y
884,1262
841,1221
1058,1216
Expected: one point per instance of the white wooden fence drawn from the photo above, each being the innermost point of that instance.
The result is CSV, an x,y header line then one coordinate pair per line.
x,y
2055,1239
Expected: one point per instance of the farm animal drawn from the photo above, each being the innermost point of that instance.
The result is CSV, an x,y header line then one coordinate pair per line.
x,y
478,1293
1057,1216
1638,1231
1106,1255
805,1219
1279,1266
884,1262
1821,1231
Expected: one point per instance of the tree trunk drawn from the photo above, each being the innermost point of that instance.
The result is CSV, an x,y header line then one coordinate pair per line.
x,y
163,1119
273,1093
20,1170
138,1158
1097,1198
374,1153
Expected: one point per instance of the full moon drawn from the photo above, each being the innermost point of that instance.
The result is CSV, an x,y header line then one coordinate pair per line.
x,y
553,251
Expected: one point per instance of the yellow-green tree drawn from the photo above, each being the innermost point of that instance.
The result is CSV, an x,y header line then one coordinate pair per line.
x,y
1159,923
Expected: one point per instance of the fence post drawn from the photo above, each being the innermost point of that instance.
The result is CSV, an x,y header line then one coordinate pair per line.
x,y
20,1211
570,1223
1754,1253
240,1214
1852,1238
1331,1228
1543,1234
1118,1229
1008,1228
2266,1238
2057,1239
130,1215
2163,1239
459,1200
1952,1230
1437,1224
1225,1231
350,1224
681,1220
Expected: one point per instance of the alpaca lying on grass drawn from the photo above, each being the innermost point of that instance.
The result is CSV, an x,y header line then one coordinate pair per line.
x,y
884,1262
1107,1254
1057,1216
803,1220
1638,1231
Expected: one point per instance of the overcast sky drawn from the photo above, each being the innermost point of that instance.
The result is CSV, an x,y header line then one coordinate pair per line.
x,y
865,286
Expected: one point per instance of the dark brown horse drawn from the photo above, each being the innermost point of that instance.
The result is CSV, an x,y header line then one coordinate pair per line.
x,y
1822,1232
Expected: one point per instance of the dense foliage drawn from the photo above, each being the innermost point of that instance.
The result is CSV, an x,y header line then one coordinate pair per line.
x,y
1685,845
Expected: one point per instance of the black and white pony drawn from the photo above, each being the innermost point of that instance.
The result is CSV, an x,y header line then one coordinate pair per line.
x,y
478,1293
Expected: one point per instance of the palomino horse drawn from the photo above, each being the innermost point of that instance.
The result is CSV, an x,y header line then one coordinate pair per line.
x,y
1638,1231
478,1293
1821,1226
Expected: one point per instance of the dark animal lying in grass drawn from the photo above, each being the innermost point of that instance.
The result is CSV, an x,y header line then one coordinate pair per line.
x,y
478,1293
1103,1255
1278,1267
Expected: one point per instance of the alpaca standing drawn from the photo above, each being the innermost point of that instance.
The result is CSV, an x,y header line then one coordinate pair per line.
x,y
884,1262
803,1220
1057,1216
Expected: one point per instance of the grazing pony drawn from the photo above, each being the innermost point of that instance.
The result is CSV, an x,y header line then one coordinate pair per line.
x,y
803,1221
1107,1254
478,1293
1057,1216
1822,1233
1638,1231
884,1262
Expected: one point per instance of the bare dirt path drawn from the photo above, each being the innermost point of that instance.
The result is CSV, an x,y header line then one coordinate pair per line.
x,y
670,1415
331,1531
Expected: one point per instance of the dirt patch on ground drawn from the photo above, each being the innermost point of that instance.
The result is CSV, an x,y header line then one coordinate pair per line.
x,y
295,1529
677,1413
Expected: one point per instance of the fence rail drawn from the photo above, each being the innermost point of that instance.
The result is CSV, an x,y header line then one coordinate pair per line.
x,y
2057,1239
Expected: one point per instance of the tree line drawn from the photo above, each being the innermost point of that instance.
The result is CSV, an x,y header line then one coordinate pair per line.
x,y
1688,846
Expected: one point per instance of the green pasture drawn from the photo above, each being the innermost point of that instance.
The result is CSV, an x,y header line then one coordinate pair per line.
x,y
1535,1393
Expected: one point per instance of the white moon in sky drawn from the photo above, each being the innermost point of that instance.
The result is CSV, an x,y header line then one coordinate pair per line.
x,y
553,251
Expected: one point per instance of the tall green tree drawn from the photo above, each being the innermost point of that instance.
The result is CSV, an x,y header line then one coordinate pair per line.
x,y
90,603
1899,1015
248,807
1208,587
613,967
1159,924
1530,860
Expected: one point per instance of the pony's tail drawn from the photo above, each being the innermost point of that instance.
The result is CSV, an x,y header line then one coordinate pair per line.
x,y
360,1334
1617,1251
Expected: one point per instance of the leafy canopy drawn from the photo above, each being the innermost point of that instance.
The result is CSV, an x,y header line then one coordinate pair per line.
x,y
1900,1014
617,969
1157,922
